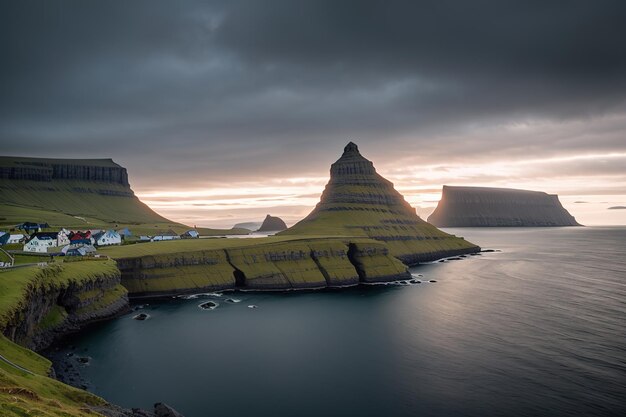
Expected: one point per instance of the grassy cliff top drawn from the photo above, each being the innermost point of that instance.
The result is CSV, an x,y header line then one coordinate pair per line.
x,y
33,393
14,282
195,245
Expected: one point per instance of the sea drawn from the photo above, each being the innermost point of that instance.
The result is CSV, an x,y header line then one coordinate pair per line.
x,y
536,327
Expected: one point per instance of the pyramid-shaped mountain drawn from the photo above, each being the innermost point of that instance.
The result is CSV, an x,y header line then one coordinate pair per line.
x,y
357,201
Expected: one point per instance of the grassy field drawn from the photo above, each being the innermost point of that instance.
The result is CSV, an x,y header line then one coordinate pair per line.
x,y
10,215
194,245
24,394
14,281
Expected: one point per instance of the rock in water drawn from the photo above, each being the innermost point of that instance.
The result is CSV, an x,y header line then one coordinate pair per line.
x,y
164,410
272,224
357,201
503,207
209,305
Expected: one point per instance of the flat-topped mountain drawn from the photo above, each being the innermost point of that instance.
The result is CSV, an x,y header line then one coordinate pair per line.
x,y
357,201
272,224
69,191
501,207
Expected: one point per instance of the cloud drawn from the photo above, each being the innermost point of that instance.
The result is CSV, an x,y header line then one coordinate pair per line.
x,y
205,94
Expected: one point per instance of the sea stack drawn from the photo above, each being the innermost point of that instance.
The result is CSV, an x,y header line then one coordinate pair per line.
x,y
357,201
272,224
499,207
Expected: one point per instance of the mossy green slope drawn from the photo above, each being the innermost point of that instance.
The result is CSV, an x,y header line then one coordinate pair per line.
x,y
357,201
76,193
29,306
36,301
35,394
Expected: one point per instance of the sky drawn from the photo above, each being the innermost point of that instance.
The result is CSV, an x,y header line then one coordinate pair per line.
x,y
225,111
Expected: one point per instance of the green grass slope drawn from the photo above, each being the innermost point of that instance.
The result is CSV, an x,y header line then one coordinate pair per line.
x,y
79,194
33,393
359,202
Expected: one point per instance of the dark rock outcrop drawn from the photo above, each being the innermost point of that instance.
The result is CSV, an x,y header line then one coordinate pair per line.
x,y
44,169
164,410
357,201
499,207
272,224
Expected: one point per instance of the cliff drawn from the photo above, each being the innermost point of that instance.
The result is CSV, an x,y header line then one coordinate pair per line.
x,y
47,302
272,224
501,207
36,306
272,263
357,201
69,192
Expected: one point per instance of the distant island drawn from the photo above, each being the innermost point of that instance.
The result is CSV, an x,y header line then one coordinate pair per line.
x,y
617,208
272,224
250,226
499,207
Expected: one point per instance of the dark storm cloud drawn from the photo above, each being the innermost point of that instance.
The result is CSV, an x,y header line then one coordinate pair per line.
x,y
227,89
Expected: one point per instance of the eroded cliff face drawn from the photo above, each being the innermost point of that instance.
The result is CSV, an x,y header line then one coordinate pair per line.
x,y
357,201
499,207
300,264
47,170
52,307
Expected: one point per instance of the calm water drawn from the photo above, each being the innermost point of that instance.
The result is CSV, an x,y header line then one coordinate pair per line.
x,y
537,329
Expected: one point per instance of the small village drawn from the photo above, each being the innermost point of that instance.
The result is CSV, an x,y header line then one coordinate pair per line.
x,y
25,240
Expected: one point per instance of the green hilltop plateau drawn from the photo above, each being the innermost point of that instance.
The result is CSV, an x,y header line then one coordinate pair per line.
x,y
77,193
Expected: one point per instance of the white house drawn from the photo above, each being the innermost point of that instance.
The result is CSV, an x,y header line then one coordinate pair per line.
x,y
168,235
110,237
41,241
78,249
16,238
190,234
63,237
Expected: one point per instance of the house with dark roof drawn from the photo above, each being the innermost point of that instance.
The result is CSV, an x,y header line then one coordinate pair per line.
x,y
30,227
78,249
110,237
190,234
41,241
125,232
